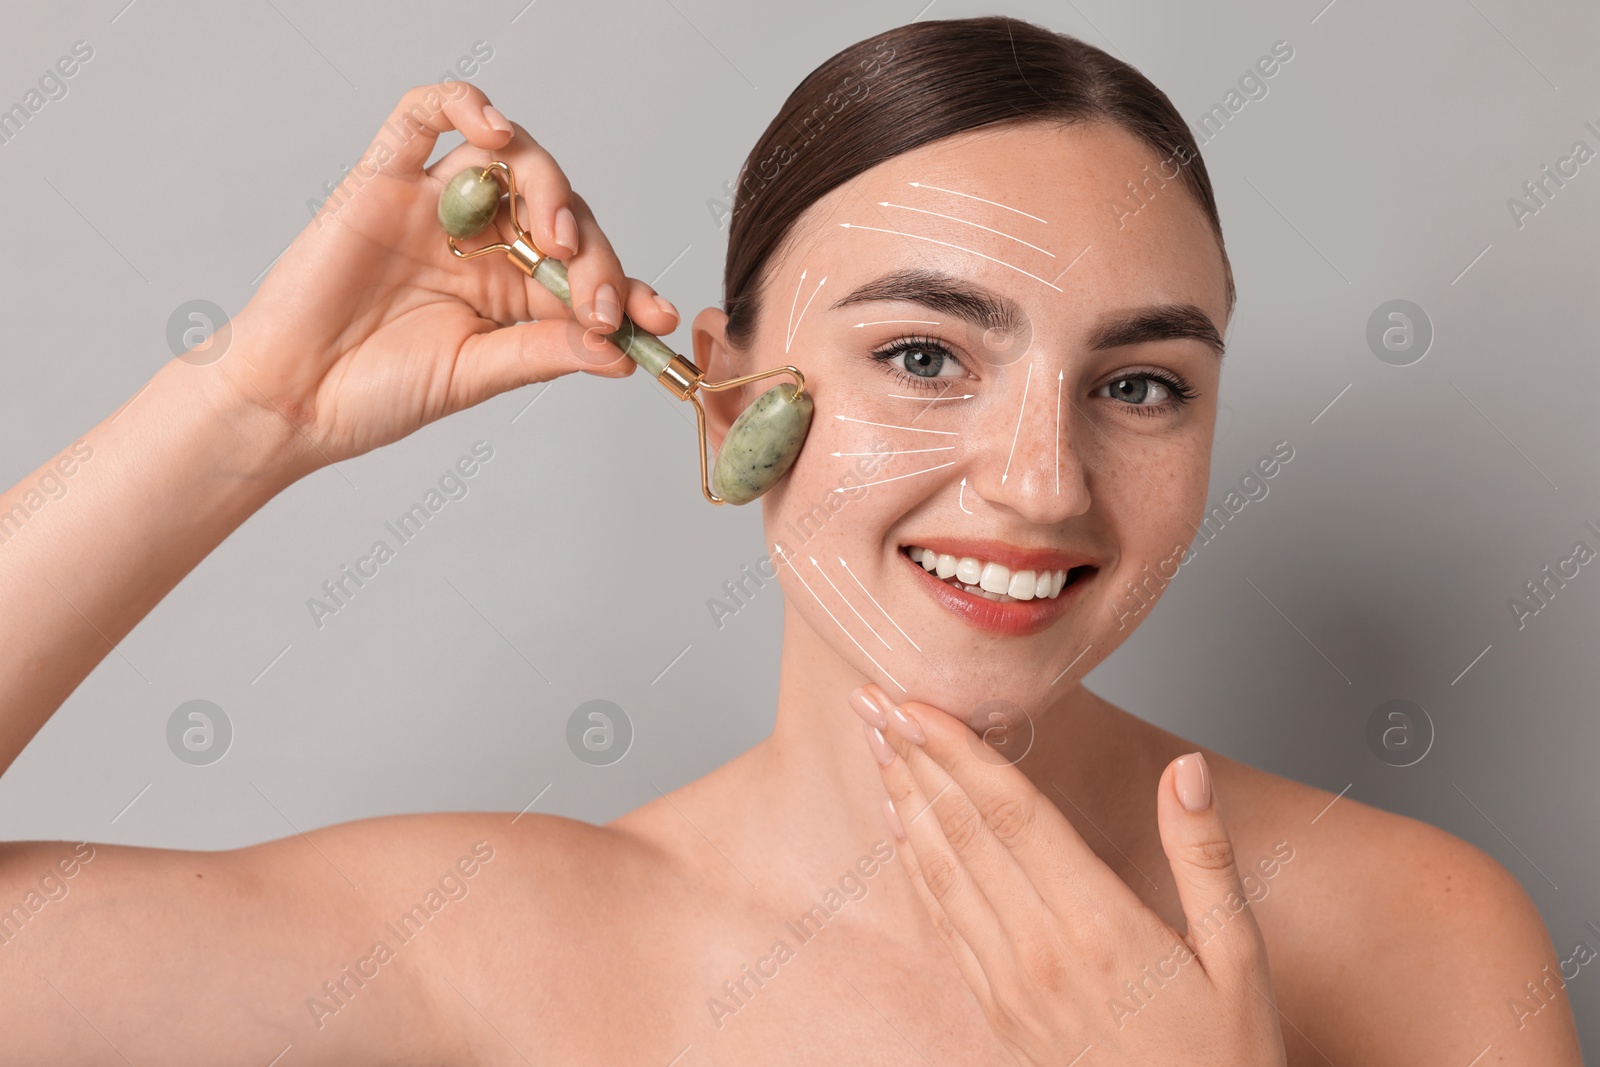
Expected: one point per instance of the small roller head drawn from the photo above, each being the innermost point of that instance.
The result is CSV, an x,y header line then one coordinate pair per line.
x,y
468,203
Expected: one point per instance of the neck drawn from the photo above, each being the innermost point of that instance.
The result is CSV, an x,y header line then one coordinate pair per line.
x,y
822,789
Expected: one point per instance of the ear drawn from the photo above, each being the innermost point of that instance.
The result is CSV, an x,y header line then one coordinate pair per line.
x,y
713,355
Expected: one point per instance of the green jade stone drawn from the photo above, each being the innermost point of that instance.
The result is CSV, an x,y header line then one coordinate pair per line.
x,y
761,444
468,203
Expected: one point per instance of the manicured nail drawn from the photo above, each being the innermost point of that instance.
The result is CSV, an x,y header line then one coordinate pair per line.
x,y
870,713
606,305
881,749
879,697
1193,781
567,230
892,817
492,116
905,725
666,305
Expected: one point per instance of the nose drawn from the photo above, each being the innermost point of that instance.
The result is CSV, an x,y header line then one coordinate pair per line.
x,y
1025,456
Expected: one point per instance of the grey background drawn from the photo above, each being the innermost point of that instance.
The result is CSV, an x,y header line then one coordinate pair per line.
x,y
1379,567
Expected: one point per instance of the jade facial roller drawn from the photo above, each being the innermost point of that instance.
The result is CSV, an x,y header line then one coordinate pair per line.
x,y
763,441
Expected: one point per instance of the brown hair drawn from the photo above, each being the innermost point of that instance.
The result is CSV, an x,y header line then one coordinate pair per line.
x,y
927,81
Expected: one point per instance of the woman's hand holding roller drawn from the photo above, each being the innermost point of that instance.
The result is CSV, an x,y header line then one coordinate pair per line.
x,y
367,328
1050,939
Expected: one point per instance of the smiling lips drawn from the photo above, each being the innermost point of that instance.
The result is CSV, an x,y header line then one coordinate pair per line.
x,y
1018,599
989,579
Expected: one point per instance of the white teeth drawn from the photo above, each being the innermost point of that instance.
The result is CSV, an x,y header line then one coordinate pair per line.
x,y
995,578
1022,586
989,579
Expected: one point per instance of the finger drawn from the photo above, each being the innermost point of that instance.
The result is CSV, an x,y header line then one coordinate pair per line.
x,y
967,831
1222,928
594,268
544,195
937,866
407,139
588,338
960,951
594,343
1067,875
494,361
650,309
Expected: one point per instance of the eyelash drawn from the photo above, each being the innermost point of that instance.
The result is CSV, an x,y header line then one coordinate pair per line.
x,y
1180,390
900,346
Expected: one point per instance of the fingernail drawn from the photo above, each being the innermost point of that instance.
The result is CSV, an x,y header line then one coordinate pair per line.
x,y
606,305
892,817
905,725
887,711
1193,781
881,749
567,230
666,305
492,116
870,713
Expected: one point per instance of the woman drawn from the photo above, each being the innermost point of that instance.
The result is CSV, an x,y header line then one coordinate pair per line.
x,y
997,865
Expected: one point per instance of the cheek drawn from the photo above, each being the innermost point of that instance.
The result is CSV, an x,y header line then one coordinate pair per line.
x,y
828,496
831,506
1189,473
1154,499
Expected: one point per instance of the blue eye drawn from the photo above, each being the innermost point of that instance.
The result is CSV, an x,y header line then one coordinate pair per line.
x,y
1170,392
923,358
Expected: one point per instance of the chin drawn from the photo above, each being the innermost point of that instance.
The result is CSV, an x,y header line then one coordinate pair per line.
x,y
985,705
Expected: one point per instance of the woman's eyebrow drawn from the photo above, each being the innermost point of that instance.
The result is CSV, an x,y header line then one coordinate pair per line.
x,y
950,295
1157,322
944,293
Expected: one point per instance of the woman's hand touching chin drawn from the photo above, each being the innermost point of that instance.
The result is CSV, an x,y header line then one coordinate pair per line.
x,y
1047,935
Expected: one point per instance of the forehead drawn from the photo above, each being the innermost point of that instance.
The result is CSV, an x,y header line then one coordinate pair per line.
x,y
1050,215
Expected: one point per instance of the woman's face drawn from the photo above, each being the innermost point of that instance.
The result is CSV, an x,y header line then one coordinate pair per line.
x,y
997,382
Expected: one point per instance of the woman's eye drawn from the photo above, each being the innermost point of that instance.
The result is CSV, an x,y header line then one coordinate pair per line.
x,y
1139,390
920,363
1149,392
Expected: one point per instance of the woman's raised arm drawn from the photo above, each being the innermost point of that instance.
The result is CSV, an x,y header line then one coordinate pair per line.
x,y
366,329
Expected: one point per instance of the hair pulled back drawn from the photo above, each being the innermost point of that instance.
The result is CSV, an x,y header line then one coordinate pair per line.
x,y
918,83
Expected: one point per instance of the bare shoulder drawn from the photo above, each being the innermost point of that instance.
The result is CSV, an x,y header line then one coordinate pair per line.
x,y
406,939
573,920
505,923
503,878
1391,941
